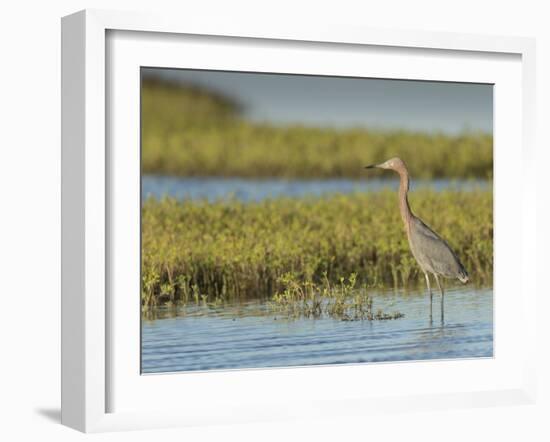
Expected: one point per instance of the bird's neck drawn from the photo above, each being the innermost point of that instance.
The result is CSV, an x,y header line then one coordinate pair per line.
x,y
404,207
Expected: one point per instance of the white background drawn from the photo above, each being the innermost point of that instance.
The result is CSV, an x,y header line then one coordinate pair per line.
x,y
30,221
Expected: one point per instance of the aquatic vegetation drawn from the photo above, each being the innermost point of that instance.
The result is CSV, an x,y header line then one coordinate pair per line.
x,y
342,300
187,131
196,251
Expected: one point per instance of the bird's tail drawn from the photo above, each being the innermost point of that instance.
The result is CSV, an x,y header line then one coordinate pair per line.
x,y
463,275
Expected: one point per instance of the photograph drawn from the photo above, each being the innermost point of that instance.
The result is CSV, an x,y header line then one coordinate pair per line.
x,y
304,220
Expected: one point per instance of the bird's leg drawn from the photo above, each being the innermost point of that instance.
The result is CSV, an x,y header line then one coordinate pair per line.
x,y
442,296
430,292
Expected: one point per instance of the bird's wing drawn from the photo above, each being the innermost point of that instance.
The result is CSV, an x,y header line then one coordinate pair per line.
x,y
425,229
436,251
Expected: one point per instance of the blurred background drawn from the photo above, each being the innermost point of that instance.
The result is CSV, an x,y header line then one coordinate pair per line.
x,y
212,124
344,102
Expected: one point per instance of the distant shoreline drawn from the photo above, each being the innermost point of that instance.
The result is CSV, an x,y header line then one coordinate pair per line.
x,y
191,132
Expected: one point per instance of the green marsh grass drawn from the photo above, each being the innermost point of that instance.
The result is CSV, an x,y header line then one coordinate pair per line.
x,y
188,131
343,300
197,251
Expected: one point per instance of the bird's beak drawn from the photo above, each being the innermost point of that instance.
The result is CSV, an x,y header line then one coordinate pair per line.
x,y
372,166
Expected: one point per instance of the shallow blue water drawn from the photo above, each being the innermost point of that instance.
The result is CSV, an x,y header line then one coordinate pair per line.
x,y
250,336
246,190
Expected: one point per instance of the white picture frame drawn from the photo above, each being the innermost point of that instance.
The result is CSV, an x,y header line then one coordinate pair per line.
x,y
87,208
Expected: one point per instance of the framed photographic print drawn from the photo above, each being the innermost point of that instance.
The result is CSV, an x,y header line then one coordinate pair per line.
x,y
265,223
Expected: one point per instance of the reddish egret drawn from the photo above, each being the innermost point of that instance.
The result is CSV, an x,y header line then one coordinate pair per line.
x,y
432,252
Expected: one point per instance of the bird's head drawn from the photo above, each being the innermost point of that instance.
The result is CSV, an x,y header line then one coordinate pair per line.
x,y
395,163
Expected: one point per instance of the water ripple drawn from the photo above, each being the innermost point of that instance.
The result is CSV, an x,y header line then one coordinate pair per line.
x,y
224,339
